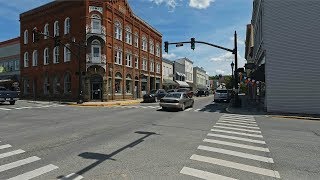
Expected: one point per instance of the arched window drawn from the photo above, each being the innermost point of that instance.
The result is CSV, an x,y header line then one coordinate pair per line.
x,y
67,25
118,56
67,83
56,85
67,53
35,58
56,28
136,39
26,59
128,84
151,47
46,31
158,50
33,37
96,51
118,83
144,43
46,56
46,85
56,54
128,35
25,37
96,24
118,30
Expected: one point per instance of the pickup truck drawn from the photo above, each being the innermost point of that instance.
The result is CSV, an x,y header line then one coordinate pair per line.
x,y
8,96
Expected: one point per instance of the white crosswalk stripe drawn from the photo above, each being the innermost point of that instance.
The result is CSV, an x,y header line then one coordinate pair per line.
x,y
11,153
237,138
238,133
238,123
241,121
72,176
188,109
238,129
237,145
203,174
10,108
35,173
18,163
225,124
5,146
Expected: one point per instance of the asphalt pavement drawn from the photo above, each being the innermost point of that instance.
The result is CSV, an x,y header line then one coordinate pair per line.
x,y
54,141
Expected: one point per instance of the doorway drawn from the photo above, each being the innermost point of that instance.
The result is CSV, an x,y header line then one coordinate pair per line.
x,y
96,87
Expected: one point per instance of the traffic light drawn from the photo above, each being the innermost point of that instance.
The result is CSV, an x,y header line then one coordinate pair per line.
x,y
57,41
35,34
193,43
166,46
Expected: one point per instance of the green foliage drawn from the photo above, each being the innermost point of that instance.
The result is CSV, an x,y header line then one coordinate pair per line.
x,y
228,82
243,88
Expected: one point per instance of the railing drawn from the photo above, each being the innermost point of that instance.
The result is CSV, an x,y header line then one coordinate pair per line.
x,y
91,30
102,59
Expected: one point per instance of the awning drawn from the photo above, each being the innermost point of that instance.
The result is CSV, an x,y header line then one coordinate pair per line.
x,y
168,82
182,84
181,74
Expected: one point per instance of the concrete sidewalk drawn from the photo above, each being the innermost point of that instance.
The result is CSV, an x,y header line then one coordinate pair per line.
x,y
109,103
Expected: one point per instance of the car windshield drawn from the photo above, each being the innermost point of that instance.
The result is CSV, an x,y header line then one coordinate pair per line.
x,y
182,90
153,91
173,95
222,91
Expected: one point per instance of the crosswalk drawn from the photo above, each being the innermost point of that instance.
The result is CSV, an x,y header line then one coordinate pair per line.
x,y
158,108
11,108
234,149
19,162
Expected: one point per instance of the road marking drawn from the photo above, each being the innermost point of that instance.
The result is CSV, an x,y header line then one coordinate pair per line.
x,y
11,153
242,119
237,145
28,107
237,138
203,174
197,110
237,125
237,115
238,133
235,153
243,167
5,109
35,173
239,129
5,146
18,163
188,109
72,176
232,120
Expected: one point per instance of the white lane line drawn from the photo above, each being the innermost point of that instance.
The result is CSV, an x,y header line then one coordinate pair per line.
x,y
72,176
237,115
249,127
235,153
35,173
203,174
237,138
243,167
11,153
18,163
239,123
232,120
236,145
188,109
197,110
5,146
242,119
239,129
28,107
238,133
5,109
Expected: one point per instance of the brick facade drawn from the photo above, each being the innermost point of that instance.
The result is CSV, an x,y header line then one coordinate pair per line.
x,y
96,24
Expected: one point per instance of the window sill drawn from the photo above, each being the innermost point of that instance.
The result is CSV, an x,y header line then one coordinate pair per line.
x,y
129,66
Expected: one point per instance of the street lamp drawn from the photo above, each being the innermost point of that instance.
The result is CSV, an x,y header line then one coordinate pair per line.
x,y
232,66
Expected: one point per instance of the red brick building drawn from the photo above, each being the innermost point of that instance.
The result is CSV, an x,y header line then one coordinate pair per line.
x,y
121,59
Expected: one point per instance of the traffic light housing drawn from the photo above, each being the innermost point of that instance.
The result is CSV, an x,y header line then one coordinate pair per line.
x,y
193,43
35,34
57,41
166,46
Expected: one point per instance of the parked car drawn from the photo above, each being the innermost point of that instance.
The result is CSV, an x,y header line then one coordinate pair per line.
x,y
176,100
186,90
222,95
202,92
8,96
154,96
171,90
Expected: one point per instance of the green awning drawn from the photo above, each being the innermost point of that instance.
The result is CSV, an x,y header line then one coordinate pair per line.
x,y
168,82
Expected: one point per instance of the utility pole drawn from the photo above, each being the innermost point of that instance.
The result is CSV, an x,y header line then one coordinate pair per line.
x,y
236,98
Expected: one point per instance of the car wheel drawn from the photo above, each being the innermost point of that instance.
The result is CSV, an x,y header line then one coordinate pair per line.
x,y
12,102
183,107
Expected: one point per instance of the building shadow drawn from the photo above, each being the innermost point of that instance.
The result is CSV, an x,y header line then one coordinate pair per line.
x,y
214,107
100,158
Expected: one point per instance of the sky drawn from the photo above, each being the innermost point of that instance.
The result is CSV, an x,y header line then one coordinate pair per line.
x,y
213,21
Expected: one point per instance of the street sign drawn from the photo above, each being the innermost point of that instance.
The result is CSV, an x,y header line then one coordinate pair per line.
x,y
179,45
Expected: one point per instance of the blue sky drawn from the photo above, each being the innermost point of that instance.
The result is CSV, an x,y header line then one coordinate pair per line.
x,y
212,21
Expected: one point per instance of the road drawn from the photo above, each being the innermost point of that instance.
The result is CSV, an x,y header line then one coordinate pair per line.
x,y
52,141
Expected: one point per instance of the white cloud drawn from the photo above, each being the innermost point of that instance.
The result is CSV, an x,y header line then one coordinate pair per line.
x,y
240,41
170,3
219,71
169,56
228,56
200,4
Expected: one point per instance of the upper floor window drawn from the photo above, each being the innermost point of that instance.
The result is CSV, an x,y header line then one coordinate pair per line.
x,y
144,65
96,23
136,40
151,47
144,43
136,62
67,25
67,53
129,60
46,56
118,57
151,66
25,37
33,37
56,54
46,31
158,68
128,35
118,30
158,50
35,58
56,28
26,59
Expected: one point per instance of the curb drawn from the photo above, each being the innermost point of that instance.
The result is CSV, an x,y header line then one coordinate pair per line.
x,y
296,117
106,105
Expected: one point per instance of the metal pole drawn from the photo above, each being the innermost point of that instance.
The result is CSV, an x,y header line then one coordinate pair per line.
x,y
237,103
80,77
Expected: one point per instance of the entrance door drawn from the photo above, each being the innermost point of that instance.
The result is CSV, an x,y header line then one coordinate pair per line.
x,y
136,88
96,87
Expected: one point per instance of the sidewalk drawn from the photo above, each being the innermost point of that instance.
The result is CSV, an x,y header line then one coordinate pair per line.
x,y
109,103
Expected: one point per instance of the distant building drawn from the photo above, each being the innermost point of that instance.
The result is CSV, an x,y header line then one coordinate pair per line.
x,y
188,65
199,78
10,63
179,74
167,75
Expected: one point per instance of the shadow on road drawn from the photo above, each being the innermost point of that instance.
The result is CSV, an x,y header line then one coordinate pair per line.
x,y
103,157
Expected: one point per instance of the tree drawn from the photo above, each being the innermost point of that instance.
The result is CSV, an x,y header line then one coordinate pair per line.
x,y
228,82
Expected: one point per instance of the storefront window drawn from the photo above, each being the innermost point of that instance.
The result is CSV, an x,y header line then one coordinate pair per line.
x,y
128,84
118,83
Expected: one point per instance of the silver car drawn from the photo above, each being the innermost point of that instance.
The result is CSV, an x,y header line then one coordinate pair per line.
x,y
221,95
176,100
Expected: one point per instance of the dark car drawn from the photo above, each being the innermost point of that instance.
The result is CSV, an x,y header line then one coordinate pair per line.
x,y
176,100
186,90
202,92
8,96
154,95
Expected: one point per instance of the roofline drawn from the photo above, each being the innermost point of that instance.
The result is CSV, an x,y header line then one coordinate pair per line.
x,y
167,61
29,12
185,58
147,24
10,42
